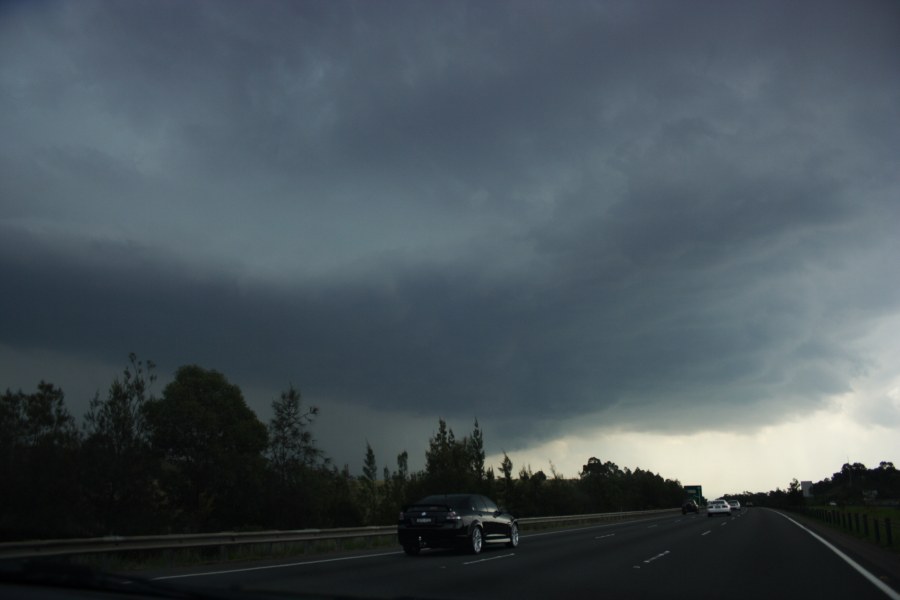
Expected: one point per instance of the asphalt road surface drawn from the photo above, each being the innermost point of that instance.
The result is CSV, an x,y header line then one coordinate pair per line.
x,y
757,554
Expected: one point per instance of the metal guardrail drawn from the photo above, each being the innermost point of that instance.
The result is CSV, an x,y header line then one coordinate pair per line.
x,y
596,517
111,544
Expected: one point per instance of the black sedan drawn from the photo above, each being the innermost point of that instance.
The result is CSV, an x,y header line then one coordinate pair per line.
x,y
462,520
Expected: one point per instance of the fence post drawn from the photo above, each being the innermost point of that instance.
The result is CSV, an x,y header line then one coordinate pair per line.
x,y
857,522
877,532
866,525
888,534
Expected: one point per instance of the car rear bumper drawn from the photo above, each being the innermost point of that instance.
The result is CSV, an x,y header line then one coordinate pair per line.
x,y
432,537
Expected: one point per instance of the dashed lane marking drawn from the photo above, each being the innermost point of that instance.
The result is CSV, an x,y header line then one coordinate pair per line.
x,y
473,562
658,556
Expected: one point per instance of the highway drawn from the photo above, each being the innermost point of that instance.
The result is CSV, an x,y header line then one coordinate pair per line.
x,y
757,554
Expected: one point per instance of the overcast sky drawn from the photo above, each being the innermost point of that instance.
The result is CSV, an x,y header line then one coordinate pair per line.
x,y
665,234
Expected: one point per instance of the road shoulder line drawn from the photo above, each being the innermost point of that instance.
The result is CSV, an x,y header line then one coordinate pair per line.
x,y
890,592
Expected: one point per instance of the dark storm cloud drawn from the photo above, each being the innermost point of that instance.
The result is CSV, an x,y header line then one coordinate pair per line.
x,y
594,213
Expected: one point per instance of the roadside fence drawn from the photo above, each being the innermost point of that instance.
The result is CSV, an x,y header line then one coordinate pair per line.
x,y
879,526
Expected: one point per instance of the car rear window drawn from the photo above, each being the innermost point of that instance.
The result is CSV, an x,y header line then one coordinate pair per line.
x,y
489,506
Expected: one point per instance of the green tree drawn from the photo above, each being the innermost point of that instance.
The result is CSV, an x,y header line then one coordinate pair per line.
x,y
476,453
296,494
403,466
395,491
452,464
370,466
291,444
603,483
795,493
299,477
507,493
341,509
39,451
118,471
369,497
211,445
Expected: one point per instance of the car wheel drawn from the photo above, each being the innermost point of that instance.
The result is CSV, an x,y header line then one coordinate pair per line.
x,y
513,535
411,549
475,540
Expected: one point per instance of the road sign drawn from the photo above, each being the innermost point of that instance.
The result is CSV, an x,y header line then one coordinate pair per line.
x,y
694,491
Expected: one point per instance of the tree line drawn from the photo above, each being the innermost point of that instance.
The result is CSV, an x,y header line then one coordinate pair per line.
x,y
853,485
198,459
856,484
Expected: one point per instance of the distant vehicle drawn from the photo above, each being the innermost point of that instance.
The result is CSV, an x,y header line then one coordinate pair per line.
x,y
462,520
735,505
689,506
749,504
718,507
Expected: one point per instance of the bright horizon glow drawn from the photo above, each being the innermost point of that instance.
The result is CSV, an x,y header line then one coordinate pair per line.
x,y
724,463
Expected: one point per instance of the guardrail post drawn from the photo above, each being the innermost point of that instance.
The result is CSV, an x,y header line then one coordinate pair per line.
x,y
857,522
888,534
865,519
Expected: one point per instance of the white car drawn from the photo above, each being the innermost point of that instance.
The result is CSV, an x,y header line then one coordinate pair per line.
x,y
718,507
735,505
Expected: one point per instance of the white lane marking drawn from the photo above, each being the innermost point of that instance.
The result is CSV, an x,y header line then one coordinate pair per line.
x,y
282,566
652,558
888,591
600,537
724,524
706,532
652,526
573,530
472,562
